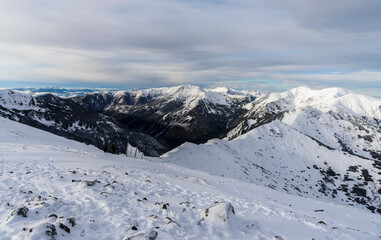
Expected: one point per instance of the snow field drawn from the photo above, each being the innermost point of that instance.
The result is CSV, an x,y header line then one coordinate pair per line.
x,y
115,197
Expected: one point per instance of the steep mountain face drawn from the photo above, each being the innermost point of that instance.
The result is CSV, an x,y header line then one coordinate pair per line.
x,y
175,115
280,157
333,117
66,118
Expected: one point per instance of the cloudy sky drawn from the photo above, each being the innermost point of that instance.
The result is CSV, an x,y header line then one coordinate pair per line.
x,y
245,44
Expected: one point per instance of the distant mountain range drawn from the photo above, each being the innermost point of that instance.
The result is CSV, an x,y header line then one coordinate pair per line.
x,y
319,144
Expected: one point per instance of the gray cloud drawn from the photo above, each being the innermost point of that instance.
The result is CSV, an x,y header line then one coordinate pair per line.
x,y
343,15
245,44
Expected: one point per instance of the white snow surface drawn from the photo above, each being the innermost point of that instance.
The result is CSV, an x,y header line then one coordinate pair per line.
x,y
16,100
109,196
336,99
192,95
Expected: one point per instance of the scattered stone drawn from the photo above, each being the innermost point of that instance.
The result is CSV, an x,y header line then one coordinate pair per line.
x,y
54,198
64,227
51,230
72,221
134,228
359,191
352,169
172,221
90,183
321,222
22,211
319,210
277,238
53,215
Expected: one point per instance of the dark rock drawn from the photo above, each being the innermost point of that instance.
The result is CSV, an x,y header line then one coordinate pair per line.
x,y
22,211
277,238
330,172
65,228
366,175
72,221
134,228
51,230
359,191
90,183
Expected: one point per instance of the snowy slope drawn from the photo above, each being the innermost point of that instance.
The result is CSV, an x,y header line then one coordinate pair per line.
x,y
67,190
16,100
279,157
335,117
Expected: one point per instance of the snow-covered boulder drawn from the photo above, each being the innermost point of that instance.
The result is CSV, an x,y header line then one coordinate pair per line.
x,y
221,215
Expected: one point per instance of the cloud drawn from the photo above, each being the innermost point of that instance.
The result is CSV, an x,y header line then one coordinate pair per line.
x,y
246,44
343,15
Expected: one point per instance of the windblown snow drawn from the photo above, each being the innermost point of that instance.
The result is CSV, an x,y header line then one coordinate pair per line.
x,y
54,188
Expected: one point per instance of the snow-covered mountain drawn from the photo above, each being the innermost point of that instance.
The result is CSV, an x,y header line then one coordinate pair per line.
x,y
319,144
66,118
333,117
173,114
322,144
280,157
55,188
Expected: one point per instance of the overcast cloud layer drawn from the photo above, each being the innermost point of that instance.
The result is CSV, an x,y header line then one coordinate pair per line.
x,y
253,44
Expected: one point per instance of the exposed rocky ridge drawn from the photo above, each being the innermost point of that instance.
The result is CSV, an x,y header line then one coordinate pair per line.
x,y
66,118
175,115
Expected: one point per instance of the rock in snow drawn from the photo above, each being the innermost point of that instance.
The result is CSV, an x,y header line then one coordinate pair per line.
x,y
220,215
